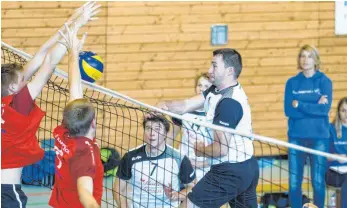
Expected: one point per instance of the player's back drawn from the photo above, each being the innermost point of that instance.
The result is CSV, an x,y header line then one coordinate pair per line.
x,y
75,157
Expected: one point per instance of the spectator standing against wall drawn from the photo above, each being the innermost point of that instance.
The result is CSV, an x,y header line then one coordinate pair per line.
x,y
307,102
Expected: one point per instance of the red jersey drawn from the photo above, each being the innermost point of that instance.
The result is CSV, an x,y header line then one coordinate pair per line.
x,y
19,144
75,157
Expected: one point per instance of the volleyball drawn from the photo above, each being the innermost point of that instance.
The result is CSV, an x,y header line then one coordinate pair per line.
x,y
91,66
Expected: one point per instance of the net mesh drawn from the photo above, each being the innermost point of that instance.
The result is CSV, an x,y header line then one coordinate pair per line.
x,y
119,126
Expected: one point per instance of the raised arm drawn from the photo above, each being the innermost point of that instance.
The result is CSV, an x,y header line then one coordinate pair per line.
x,y
74,46
183,106
46,70
34,64
56,53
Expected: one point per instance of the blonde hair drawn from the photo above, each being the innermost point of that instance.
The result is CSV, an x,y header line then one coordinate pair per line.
x,y
204,75
314,53
337,121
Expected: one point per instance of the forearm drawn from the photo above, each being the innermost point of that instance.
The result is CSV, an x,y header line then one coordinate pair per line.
x,y
120,190
199,164
213,150
178,107
57,53
87,200
314,108
122,201
34,64
75,85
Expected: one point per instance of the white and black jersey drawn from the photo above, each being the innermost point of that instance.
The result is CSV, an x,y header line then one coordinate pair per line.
x,y
192,133
149,175
230,108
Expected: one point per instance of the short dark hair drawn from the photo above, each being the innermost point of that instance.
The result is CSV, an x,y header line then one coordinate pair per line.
x,y
9,74
231,58
78,116
157,118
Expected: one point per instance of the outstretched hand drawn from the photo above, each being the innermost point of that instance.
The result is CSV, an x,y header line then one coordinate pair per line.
x,y
84,14
71,41
89,11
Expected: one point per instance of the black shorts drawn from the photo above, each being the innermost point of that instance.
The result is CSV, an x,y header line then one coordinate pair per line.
x,y
235,182
12,196
335,179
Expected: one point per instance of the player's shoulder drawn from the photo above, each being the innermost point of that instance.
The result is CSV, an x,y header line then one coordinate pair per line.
x,y
211,89
136,154
84,143
229,103
294,78
60,132
173,152
136,150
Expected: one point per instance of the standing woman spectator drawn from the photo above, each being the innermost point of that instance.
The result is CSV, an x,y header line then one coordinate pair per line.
x,y
338,145
307,102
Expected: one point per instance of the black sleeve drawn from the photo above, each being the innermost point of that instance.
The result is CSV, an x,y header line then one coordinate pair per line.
x,y
124,168
228,113
176,121
187,172
205,93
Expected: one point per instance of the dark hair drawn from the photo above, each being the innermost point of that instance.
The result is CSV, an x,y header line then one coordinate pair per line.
x,y
337,121
9,74
78,116
231,58
157,118
204,75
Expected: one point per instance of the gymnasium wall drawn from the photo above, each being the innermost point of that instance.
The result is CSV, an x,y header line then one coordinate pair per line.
x,y
154,50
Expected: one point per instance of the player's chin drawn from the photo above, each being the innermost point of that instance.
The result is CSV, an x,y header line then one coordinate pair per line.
x,y
152,143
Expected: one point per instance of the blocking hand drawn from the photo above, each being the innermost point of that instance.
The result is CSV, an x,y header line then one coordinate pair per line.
x,y
70,39
88,13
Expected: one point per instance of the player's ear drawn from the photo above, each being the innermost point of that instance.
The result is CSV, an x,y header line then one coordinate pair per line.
x,y
230,70
13,87
93,124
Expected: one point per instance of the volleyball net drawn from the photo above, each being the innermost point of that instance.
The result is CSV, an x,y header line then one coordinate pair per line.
x,y
119,120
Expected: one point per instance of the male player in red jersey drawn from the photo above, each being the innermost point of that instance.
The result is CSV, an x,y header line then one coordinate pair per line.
x,y
21,117
79,170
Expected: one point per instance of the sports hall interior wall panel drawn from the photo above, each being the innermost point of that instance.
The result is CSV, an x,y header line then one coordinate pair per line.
x,y
153,50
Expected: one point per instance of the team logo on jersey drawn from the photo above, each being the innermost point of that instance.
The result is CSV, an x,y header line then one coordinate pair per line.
x,y
224,123
136,158
63,145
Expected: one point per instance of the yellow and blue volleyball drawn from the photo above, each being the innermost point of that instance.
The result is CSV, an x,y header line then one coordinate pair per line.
x,y
91,66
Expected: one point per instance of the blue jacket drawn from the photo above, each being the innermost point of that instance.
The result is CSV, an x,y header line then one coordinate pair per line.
x,y
310,120
337,145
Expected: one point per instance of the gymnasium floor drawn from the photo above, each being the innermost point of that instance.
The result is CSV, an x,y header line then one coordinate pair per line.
x,y
277,173
38,197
